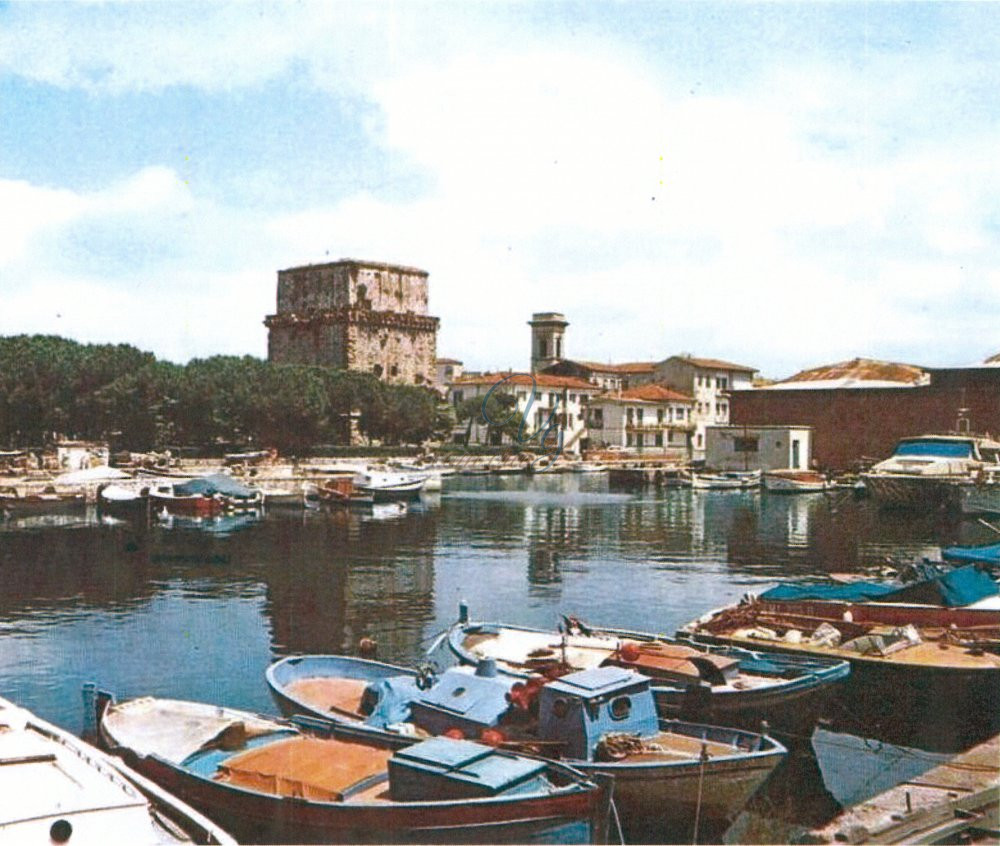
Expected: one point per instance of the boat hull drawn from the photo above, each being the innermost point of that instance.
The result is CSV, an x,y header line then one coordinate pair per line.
x,y
897,490
980,499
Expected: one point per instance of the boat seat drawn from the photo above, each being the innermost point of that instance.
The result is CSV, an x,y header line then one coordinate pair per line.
x,y
306,767
329,694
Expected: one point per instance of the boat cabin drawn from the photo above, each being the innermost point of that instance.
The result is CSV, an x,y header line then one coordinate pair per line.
x,y
579,709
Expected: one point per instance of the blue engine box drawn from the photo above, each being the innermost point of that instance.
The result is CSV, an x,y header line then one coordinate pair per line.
x,y
461,700
578,709
442,769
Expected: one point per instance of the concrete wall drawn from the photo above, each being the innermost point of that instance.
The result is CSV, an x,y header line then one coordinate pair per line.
x,y
757,448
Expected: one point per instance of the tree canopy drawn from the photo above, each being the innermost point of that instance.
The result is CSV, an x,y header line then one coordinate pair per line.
x,y
53,386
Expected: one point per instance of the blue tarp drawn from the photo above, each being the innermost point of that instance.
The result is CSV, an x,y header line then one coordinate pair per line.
x,y
961,586
854,592
988,554
210,485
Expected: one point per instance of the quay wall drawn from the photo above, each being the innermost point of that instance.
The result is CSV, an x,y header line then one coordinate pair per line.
x,y
852,425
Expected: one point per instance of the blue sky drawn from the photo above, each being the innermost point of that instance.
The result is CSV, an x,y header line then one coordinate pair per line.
x,y
781,184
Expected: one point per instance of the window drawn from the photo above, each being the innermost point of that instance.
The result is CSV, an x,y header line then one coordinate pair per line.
x,y
552,399
659,415
748,444
723,382
377,370
628,416
521,396
698,440
659,439
638,441
457,396
572,397
638,415
628,439
723,408
394,370
620,708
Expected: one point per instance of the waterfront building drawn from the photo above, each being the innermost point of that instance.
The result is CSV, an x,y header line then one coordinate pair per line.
x,y
446,370
644,419
859,409
758,447
538,398
356,315
709,382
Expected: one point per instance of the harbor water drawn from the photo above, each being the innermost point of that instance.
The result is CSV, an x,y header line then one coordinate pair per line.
x,y
193,610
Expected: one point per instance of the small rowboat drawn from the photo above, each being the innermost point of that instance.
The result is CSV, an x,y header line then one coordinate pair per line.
x,y
795,481
271,781
722,685
728,481
59,789
673,780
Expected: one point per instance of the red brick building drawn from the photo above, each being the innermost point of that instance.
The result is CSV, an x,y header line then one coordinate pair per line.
x,y
861,424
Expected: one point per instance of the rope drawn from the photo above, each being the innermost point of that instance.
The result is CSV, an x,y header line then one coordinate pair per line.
x,y
618,822
701,781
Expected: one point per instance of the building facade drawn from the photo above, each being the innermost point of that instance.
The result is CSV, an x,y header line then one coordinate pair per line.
x,y
649,418
858,421
355,315
539,398
758,447
709,382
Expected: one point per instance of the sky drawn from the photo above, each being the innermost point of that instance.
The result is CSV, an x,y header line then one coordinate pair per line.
x,y
782,185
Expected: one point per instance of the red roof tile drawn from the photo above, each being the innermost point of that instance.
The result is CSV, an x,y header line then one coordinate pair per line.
x,y
628,367
647,393
714,363
860,370
542,380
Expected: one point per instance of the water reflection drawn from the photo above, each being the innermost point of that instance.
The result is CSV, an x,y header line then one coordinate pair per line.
x,y
182,611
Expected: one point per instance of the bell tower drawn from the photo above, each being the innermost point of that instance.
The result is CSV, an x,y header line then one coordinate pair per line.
x,y
547,330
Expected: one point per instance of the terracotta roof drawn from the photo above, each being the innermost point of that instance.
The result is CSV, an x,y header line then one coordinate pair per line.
x,y
859,370
714,363
646,393
542,380
628,367
993,359
446,361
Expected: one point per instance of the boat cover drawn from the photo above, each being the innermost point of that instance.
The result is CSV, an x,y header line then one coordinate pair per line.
x,y
953,589
989,554
218,483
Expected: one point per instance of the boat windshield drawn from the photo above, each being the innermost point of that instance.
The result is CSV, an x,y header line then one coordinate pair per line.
x,y
937,449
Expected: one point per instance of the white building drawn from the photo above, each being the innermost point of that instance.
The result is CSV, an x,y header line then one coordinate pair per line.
x,y
446,370
649,418
708,381
758,447
539,399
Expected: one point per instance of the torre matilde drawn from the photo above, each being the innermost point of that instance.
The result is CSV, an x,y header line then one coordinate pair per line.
x,y
355,315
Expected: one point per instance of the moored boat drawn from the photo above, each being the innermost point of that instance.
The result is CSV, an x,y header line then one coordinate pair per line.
x,y
59,789
231,494
164,497
273,782
728,480
39,500
386,486
795,481
673,779
932,471
722,685
921,674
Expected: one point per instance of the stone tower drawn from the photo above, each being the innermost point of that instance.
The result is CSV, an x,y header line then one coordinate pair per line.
x,y
547,330
355,315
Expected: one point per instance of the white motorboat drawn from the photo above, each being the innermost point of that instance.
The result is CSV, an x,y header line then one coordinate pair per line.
x,y
58,789
727,480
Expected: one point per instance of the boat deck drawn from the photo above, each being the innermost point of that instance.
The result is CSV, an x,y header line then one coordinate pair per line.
x,y
326,693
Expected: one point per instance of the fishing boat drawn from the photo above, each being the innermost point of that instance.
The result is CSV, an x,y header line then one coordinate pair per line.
x,y
164,497
728,480
588,467
342,490
59,789
921,674
44,500
272,781
722,685
673,780
121,499
231,494
795,481
386,486
932,471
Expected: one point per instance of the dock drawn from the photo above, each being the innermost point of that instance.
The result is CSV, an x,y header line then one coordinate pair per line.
x,y
961,795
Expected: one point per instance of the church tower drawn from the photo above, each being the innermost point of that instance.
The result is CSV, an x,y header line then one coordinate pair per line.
x,y
547,330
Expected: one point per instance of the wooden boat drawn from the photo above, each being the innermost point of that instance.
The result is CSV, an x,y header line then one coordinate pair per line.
x,y
273,782
722,685
46,500
341,490
164,497
729,480
386,486
231,494
59,789
672,779
932,471
795,481
921,675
